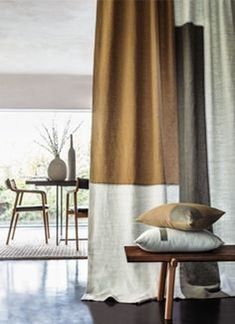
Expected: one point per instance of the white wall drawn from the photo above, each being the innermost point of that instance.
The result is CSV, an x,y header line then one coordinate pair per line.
x,y
44,91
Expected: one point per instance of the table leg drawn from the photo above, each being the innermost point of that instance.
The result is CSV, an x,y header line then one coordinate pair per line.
x,y
57,215
162,282
170,289
61,211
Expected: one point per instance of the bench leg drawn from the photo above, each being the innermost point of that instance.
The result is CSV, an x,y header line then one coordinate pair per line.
x,y
162,282
170,289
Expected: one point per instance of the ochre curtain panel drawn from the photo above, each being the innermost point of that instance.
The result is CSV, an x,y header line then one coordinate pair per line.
x,y
134,160
134,135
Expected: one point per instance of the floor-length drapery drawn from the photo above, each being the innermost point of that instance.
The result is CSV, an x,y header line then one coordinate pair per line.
x,y
208,25
197,279
135,142
134,158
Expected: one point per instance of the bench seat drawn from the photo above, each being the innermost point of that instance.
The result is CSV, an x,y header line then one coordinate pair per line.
x,y
169,262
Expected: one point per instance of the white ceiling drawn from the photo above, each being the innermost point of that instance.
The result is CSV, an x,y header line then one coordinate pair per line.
x,y
46,38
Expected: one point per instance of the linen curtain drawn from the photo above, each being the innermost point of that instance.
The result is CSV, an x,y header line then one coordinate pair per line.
x,y
197,279
149,148
134,157
205,37
134,94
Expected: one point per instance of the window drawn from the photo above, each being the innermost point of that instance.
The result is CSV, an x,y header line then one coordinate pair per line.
x,y
21,155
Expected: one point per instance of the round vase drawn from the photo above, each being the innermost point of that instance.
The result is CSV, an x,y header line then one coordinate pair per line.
x,y
57,169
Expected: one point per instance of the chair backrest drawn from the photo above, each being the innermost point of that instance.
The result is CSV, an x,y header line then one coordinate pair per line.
x,y
82,184
11,184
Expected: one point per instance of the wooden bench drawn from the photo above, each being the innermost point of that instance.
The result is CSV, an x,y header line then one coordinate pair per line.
x,y
169,263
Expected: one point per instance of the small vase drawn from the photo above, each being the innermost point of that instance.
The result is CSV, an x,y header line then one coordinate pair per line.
x,y
71,161
57,169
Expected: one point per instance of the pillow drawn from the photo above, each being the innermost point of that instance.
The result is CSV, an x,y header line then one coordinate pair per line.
x,y
171,240
184,216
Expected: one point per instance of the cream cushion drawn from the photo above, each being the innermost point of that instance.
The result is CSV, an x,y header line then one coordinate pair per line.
x,y
171,240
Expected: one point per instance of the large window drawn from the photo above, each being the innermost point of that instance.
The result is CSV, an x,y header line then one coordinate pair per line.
x,y
22,154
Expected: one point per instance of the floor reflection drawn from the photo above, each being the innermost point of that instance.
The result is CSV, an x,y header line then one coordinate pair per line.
x,y
43,292
120,313
49,292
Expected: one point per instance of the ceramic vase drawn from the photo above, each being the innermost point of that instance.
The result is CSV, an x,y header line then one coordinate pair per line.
x,y
71,161
57,169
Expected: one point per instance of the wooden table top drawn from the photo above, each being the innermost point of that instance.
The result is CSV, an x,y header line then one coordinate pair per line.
x,y
83,183
223,253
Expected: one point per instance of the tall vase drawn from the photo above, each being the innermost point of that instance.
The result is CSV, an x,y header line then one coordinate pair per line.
x,y
71,161
57,169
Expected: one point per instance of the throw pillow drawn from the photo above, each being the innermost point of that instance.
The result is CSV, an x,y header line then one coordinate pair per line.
x,y
184,216
171,240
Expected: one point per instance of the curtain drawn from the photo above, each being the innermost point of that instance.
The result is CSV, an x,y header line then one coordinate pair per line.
x,y
134,157
134,94
147,149
197,279
205,46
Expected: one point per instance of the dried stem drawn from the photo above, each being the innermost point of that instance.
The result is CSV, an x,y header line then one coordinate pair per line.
x,y
50,137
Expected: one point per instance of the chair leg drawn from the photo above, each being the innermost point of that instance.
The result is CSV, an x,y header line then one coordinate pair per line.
x,y
10,228
17,216
76,220
44,199
45,225
44,214
76,230
14,227
67,219
48,227
12,218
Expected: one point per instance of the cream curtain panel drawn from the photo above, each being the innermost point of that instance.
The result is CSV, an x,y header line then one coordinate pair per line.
x,y
134,161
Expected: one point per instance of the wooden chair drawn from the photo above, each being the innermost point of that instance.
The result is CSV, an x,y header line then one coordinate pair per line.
x,y
18,208
74,211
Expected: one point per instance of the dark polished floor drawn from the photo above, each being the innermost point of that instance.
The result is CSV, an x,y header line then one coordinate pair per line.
x,y
41,292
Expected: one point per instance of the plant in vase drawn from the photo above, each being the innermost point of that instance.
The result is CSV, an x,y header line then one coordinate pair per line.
x,y
53,142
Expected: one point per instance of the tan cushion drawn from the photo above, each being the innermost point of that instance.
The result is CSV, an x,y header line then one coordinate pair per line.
x,y
184,216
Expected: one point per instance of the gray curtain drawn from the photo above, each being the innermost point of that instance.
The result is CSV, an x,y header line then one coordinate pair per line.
x,y
197,279
216,19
